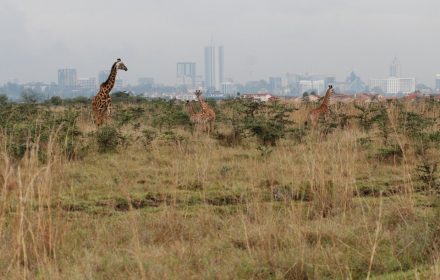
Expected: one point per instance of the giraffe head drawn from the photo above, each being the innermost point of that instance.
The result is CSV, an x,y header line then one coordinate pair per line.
x,y
198,92
120,65
330,90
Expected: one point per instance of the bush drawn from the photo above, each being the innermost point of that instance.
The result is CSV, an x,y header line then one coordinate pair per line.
x,y
56,100
108,139
267,121
148,137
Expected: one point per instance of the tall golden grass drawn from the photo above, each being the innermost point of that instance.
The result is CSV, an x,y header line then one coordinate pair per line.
x,y
324,208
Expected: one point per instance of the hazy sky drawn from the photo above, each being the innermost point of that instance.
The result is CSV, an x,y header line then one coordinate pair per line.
x,y
261,38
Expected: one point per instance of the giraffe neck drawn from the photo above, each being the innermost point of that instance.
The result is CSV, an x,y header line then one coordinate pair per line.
x,y
110,82
326,99
202,104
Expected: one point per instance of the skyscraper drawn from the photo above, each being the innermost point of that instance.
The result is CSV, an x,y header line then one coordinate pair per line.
x,y
186,74
67,78
437,82
395,68
214,75
221,72
210,68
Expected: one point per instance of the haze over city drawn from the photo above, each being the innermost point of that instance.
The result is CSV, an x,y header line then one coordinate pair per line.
x,y
260,38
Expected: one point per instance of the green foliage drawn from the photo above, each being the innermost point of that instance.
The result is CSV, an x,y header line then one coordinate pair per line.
x,y
390,153
125,97
30,124
168,114
428,176
56,101
148,137
108,139
269,121
383,123
78,100
3,99
127,115
366,115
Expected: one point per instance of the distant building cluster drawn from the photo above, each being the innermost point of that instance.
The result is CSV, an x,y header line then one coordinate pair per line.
x,y
394,84
216,85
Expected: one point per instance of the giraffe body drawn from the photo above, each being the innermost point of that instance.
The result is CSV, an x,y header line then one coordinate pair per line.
x,y
102,103
207,114
322,110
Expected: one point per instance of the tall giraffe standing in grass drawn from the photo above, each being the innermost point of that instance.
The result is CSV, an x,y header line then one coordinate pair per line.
x,y
102,102
208,114
322,110
195,117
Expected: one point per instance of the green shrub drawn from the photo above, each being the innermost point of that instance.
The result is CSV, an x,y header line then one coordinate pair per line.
x,y
148,137
108,139
56,100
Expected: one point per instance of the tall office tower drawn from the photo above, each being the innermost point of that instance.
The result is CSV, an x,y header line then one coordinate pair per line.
x,y
67,78
275,85
186,74
214,68
210,67
221,73
395,68
437,82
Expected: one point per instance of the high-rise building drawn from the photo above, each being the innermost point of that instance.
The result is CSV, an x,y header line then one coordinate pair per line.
x,y
210,68
221,73
275,85
395,68
214,68
67,78
437,82
186,74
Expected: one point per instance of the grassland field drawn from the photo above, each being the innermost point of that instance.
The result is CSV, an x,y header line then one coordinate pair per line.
x,y
263,196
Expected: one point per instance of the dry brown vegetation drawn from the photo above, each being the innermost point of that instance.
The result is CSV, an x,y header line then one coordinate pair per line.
x,y
150,197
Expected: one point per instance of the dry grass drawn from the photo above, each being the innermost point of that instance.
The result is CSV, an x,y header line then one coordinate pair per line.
x,y
325,208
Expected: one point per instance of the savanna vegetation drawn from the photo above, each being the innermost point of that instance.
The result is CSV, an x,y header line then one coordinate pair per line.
x,y
151,196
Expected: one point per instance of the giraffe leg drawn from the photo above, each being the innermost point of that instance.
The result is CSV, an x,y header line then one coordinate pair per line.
x,y
109,108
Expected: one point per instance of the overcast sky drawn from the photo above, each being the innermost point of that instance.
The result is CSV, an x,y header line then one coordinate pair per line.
x,y
261,38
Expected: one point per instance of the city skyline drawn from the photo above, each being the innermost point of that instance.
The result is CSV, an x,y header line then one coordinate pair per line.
x,y
261,39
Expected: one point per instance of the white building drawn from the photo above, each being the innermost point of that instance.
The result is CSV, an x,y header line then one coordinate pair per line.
x,y
394,85
317,86
263,97
67,78
86,83
228,88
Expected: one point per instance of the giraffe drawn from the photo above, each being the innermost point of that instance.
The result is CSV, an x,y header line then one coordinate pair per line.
x,y
195,118
208,114
102,102
322,110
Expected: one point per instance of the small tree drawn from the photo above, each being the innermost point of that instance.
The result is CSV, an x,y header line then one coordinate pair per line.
x,y
56,100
